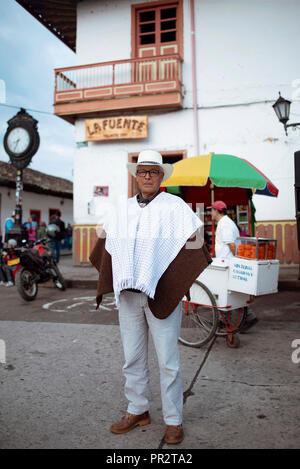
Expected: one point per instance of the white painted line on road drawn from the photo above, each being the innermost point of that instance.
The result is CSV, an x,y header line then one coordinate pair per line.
x,y
85,298
75,304
48,305
106,305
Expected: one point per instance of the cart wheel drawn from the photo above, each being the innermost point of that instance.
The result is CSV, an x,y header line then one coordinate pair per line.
x,y
237,319
199,324
233,341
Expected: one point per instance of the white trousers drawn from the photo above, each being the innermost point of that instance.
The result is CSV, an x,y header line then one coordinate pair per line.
x,y
136,319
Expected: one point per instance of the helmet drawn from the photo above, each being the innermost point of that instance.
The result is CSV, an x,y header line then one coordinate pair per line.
x,y
52,230
12,242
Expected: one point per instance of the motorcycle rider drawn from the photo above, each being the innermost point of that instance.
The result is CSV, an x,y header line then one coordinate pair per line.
x,y
7,271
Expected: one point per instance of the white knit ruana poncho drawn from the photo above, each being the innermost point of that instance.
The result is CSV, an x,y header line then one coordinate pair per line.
x,y
144,241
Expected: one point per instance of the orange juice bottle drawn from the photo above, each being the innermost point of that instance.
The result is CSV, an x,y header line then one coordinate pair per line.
x,y
241,250
247,252
252,252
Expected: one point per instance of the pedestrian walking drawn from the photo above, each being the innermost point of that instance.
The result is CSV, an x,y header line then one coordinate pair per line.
x,y
42,230
55,243
226,234
145,260
68,238
9,223
31,228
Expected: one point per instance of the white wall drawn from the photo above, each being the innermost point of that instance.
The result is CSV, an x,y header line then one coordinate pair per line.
x,y
33,201
97,165
246,51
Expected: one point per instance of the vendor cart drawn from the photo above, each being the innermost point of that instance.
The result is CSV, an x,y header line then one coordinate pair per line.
x,y
221,294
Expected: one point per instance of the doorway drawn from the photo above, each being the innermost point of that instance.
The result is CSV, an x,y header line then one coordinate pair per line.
x,y
37,214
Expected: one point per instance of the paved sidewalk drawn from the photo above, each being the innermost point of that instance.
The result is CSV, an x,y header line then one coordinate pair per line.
x,y
289,277
62,387
87,276
62,384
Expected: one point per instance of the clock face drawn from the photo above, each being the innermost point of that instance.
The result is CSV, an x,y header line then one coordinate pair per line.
x,y
18,140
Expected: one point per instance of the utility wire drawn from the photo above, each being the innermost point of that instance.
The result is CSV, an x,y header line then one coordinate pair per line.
x,y
27,109
185,108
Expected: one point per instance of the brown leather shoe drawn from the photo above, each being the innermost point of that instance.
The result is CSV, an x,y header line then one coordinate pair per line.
x,y
129,422
174,434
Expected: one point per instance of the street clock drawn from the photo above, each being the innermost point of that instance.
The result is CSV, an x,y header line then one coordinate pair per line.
x,y
21,140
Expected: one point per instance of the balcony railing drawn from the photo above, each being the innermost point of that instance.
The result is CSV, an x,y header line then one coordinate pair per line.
x,y
117,79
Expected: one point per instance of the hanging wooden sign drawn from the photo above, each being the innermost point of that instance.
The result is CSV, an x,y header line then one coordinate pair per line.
x,y
115,128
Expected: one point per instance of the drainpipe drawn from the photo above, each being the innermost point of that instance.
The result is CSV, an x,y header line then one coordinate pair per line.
x,y
194,72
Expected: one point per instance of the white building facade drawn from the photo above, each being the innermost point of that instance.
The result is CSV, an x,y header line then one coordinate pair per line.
x,y
205,90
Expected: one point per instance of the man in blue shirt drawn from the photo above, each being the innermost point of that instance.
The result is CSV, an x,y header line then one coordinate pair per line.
x,y
9,223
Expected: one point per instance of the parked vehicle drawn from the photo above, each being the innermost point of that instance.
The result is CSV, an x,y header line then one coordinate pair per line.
x,y
36,265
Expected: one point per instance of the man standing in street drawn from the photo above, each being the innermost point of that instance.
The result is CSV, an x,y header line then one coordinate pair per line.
x,y
226,234
145,261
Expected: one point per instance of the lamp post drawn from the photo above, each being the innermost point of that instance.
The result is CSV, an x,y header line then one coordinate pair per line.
x,y
282,110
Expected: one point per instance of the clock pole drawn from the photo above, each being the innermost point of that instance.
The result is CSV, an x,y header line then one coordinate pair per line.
x,y
21,142
17,232
19,191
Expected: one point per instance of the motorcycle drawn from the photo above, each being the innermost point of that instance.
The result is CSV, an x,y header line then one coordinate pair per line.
x,y
36,265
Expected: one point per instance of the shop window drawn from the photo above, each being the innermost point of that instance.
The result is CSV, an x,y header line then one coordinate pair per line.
x,y
167,13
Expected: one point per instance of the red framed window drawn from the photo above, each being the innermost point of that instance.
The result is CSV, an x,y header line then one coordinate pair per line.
x,y
158,29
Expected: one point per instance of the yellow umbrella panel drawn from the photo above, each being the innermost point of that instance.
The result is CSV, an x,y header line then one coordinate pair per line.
x,y
190,172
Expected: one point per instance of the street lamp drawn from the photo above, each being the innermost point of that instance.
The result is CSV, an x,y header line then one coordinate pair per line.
x,y
282,110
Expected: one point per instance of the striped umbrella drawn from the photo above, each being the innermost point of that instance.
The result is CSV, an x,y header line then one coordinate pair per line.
x,y
223,171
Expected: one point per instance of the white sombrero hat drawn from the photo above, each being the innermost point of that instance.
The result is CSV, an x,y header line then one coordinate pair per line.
x,y
151,157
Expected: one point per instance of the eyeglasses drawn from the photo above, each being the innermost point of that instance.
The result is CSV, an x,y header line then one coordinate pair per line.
x,y
152,172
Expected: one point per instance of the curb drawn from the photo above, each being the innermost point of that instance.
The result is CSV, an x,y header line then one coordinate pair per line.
x,y
289,285
283,285
88,284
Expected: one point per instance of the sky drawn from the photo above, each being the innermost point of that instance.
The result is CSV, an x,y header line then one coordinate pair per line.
x,y
29,53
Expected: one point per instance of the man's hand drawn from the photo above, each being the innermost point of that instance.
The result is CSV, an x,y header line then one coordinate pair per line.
x,y
232,248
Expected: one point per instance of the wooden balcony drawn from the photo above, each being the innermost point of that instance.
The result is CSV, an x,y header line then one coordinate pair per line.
x,y
123,85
